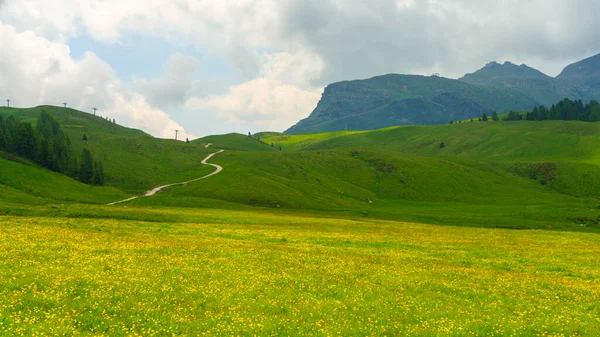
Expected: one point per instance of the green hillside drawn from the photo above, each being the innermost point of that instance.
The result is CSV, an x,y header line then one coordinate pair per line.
x,y
565,147
518,174
234,141
404,99
382,184
23,182
133,160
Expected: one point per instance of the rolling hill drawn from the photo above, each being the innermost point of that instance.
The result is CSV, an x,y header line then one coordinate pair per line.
x,y
133,160
509,174
235,141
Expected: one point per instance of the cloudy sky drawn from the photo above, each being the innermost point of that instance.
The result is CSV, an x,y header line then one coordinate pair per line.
x,y
217,66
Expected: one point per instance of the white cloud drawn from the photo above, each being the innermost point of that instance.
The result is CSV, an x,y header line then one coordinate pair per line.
x,y
263,103
277,99
37,71
176,85
286,50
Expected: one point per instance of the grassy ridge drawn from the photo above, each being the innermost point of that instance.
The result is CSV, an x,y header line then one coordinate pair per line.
x,y
571,148
389,185
27,183
234,141
491,141
133,160
260,274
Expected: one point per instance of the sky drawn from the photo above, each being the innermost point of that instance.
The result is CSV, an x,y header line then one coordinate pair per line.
x,y
217,66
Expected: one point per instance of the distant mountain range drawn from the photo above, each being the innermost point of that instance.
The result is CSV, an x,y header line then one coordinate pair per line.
x,y
408,99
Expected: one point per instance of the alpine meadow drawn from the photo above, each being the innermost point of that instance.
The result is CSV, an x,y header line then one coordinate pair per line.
x,y
243,168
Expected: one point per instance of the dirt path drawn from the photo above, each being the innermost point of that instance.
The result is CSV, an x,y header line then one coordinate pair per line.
x,y
156,189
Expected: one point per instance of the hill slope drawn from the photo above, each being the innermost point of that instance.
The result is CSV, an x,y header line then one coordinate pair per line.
x,y
565,151
234,141
133,160
23,182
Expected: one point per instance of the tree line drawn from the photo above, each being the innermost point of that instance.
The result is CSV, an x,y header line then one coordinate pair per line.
x,y
47,145
566,109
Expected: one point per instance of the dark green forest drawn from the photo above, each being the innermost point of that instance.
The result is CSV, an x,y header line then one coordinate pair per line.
x,y
566,109
47,145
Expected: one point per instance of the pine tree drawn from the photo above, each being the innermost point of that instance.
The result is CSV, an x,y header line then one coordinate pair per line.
x,y
25,141
1,132
8,140
84,137
86,168
484,118
98,179
187,140
442,145
43,155
495,116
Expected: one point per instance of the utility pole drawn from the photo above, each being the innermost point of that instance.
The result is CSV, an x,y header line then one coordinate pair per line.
x,y
176,131
65,104
95,111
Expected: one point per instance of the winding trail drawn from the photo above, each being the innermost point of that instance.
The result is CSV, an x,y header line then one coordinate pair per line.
x,y
156,189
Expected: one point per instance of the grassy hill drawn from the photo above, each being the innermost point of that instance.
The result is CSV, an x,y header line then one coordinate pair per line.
x,y
383,184
234,141
568,149
133,160
508,174
23,182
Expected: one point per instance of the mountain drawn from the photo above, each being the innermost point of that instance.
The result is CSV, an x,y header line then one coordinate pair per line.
x,y
531,82
586,72
582,79
405,99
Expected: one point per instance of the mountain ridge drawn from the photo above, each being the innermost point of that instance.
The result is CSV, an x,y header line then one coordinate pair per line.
x,y
396,99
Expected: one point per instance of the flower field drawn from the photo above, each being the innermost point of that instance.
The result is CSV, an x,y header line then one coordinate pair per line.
x,y
293,276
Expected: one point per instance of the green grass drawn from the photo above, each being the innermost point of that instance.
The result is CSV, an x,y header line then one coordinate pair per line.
x,y
386,185
571,147
338,234
27,183
133,160
257,273
491,141
234,141
300,141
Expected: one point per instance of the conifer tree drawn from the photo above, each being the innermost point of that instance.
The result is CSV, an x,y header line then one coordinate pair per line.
x,y
98,174
25,141
86,168
495,116
484,118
